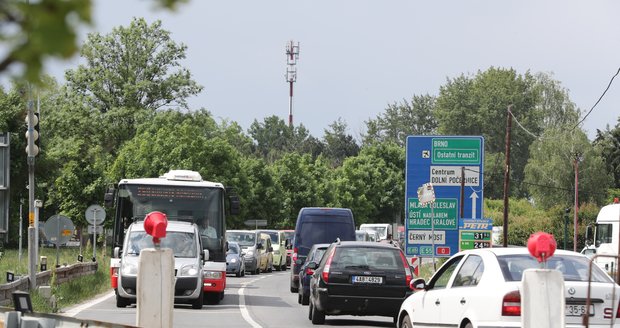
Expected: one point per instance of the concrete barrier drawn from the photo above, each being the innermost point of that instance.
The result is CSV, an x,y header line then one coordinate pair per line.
x,y
63,274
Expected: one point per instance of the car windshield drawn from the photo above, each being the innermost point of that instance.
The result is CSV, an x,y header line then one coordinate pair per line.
x,y
233,248
273,235
369,258
183,244
317,255
242,238
573,268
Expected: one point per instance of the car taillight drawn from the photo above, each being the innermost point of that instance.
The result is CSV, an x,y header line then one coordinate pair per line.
x,y
511,304
309,271
328,263
294,256
408,274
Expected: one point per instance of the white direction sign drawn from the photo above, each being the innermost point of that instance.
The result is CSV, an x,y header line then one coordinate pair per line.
x,y
91,229
95,214
451,175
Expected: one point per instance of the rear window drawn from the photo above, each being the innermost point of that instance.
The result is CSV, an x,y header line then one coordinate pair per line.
x,y
242,238
324,232
317,255
367,258
573,268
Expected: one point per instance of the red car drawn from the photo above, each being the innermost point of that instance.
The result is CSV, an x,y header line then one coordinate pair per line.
x,y
214,282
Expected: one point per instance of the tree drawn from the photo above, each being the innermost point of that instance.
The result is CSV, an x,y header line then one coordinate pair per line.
x,y
36,30
129,74
609,142
274,138
549,174
338,144
400,120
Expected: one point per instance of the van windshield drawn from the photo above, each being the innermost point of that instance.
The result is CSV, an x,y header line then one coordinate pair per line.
x,y
381,230
183,244
273,235
242,238
603,233
321,232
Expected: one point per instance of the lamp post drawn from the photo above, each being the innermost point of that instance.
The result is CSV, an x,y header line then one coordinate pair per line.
x,y
578,158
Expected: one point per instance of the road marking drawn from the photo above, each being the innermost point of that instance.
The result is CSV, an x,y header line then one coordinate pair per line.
x,y
244,310
74,311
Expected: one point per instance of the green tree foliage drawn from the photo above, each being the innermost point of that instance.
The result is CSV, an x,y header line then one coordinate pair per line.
x,y
263,198
400,120
609,141
274,138
550,174
36,30
372,184
129,74
338,144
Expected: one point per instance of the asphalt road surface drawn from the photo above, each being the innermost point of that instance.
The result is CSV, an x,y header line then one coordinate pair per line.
x,y
252,301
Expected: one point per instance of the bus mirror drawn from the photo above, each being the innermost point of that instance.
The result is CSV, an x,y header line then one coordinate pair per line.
x,y
234,205
589,235
117,252
205,254
108,197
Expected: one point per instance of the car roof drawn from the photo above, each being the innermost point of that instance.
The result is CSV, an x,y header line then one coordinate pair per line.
x,y
366,244
320,245
514,251
181,226
251,231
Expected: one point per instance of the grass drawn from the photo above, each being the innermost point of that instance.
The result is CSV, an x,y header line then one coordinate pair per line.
x,y
66,294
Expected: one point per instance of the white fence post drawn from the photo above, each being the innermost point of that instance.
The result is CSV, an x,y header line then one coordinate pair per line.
x,y
155,305
542,299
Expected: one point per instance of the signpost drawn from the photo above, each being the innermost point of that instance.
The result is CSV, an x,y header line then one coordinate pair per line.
x,y
58,230
432,229
95,215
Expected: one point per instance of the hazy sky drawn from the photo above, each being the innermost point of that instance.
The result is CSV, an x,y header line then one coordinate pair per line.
x,y
358,56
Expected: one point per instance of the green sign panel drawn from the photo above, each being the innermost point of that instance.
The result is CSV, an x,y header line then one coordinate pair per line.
x,y
456,151
444,214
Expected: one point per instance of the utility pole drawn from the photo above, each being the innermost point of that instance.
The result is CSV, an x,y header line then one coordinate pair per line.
x,y
507,172
32,150
292,55
578,159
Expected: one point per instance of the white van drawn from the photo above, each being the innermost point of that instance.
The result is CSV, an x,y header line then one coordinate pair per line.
x,y
184,240
383,229
606,237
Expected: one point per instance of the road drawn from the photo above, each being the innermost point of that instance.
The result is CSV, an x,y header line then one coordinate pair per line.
x,y
251,301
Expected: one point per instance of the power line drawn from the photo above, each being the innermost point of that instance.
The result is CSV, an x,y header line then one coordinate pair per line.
x,y
599,99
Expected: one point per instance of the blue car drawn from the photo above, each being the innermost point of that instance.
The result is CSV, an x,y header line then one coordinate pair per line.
x,y
234,261
314,255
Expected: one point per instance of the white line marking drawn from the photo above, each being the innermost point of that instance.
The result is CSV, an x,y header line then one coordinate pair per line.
x,y
244,310
74,311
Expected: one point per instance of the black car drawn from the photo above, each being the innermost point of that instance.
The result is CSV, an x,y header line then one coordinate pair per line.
x,y
359,278
314,256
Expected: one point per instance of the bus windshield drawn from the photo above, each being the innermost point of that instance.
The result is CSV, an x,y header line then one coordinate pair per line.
x,y
201,205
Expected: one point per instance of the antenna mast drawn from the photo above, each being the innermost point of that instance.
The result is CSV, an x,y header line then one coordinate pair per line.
x,y
292,55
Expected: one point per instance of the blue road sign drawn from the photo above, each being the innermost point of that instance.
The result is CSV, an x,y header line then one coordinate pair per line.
x,y
441,160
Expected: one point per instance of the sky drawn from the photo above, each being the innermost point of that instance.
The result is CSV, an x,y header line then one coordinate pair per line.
x,y
358,56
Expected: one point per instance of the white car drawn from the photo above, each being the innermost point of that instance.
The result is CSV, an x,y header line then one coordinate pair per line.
x,y
481,288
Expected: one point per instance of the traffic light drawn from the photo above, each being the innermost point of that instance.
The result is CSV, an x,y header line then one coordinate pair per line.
x,y
35,134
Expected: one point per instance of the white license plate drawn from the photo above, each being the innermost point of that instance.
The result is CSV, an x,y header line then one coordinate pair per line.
x,y
367,280
572,310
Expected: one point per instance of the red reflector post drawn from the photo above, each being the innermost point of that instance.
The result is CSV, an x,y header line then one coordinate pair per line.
x,y
155,224
541,245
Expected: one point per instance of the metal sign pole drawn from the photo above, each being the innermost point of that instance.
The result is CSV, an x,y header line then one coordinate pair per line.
x,y
95,235
433,234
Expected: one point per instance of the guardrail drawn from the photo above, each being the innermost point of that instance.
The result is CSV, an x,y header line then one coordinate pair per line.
x,y
63,274
12,319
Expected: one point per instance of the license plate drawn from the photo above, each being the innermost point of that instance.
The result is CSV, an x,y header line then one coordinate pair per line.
x,y
572,310
366,280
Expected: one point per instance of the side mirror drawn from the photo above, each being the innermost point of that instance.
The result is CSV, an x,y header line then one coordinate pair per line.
x,y
287,244
312,265
205,254
270,249
259,246
117,253
108,197
234,205
417,284
589,234
242,254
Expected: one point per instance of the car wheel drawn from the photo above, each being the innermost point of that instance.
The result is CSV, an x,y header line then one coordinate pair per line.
x,y
212,298
257,270
305,300
299,297
121,302
310,311
221,295
238,274
197,303
406,323
283,268
317,316
243,273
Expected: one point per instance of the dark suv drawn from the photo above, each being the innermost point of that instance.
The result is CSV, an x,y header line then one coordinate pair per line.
x,y
359,278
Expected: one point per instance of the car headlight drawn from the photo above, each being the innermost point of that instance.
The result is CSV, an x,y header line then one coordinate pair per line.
x,y
189,270
213,275
250,253
129,269
233,260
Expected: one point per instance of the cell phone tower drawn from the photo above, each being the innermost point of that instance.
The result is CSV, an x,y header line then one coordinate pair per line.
x,y
292,55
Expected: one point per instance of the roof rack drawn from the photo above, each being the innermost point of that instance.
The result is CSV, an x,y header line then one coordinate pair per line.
x,y
337,241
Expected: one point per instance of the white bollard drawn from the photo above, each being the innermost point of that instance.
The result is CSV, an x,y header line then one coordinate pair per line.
x,y
155,305
542,299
